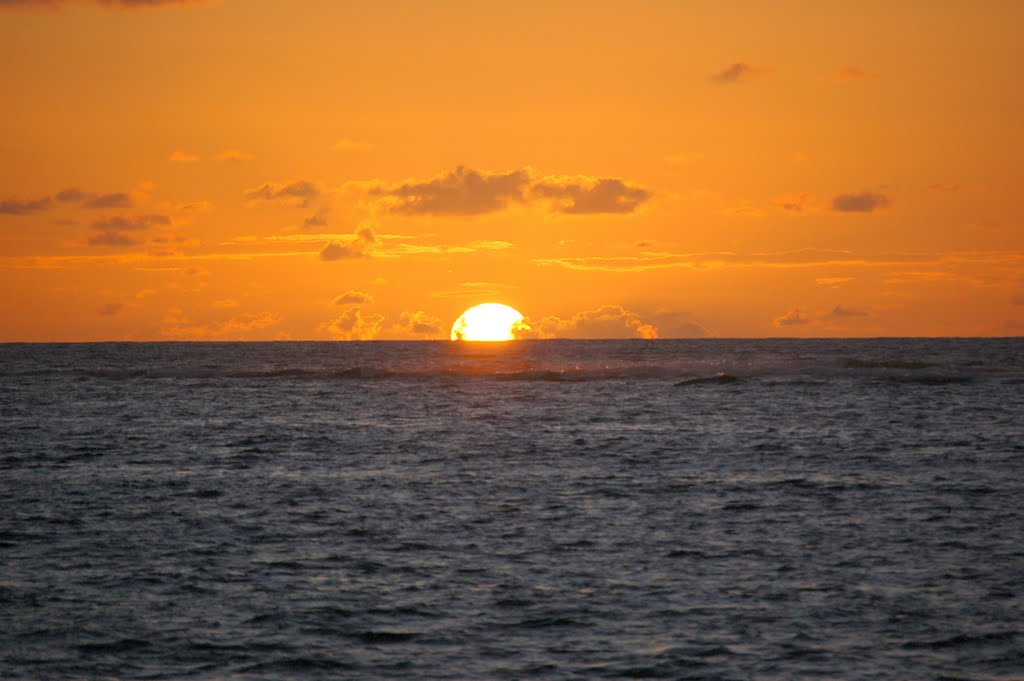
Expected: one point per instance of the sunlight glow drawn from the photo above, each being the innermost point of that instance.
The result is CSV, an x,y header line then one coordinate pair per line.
x,y
489,322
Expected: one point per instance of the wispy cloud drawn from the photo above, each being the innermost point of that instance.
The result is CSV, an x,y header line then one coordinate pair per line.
x,y
737,72
299,191
844,311
853,74
345,144
864,202
179,156
24,206
794,317
234,155
109,4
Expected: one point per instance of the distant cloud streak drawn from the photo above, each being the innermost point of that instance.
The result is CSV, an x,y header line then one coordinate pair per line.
x,y
865,202
24,207
300,191
736,72
110,4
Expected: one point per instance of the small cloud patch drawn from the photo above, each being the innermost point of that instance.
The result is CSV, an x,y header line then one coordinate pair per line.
x,y
24,207
179,156
357,246
300,192
794,317
864,202
735,73
353,298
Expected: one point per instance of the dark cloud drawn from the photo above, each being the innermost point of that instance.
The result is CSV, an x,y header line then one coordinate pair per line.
x,y
358,246
605,195
99,201
462,192
793,317
302,191
130,222
865,202
112,238
318,219
73,195
24,207
1017,299
419,323
110,309
735,72
115,200
353,298
840,311
471,192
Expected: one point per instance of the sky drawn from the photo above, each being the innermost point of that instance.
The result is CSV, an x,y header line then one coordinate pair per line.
x,y
270,170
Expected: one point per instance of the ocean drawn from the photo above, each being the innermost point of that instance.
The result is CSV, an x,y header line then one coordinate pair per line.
x,y
691,509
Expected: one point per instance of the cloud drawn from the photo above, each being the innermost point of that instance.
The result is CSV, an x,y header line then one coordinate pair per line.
x,y
736,72
832,281
318,219
358,246
179,156
461,192
345,144
95,201
224,304
111,4
178,326
110,309
471,192
300,191
865,202
234,155
114,200
793,317
353,298
796,203
840,311
607,321
24,207
419,323
354,325
111,230
131,222
945,187
852,74
111,238
591,195
1017,299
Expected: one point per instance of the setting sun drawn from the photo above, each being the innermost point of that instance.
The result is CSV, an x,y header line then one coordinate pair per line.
x,y
489,322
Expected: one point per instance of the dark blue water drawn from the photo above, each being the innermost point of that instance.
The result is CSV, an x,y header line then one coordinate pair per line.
x,y
708,509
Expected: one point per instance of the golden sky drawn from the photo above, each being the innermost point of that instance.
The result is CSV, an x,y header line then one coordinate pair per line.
x,y
261,169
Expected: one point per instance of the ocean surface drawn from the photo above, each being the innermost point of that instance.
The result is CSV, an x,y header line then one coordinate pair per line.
x,y
693,509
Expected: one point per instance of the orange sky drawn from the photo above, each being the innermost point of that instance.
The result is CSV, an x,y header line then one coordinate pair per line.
x,y
255,169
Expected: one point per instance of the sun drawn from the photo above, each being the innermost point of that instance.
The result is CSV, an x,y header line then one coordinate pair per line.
x,y
489,322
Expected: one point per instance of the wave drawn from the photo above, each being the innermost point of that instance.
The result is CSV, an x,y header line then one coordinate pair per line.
x,y
720,378
767,374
